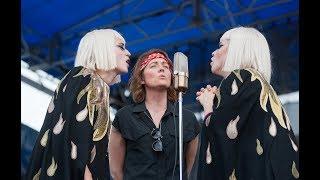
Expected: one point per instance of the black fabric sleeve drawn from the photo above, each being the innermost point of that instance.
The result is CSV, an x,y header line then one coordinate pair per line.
x,y
191,127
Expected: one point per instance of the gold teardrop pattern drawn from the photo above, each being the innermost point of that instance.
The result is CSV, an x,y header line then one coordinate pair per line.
x,y
234,87
82,114
73,151
294,146
268,93
59,126
51,105
272,128
83,72
231,129
58,87
83,92
264,88
208,155
287,120
52,168
44,138
64,88
93,153
294,170
259,148
233,175
91,110
98,92
98,134
238,75
37,176
102,124
277,108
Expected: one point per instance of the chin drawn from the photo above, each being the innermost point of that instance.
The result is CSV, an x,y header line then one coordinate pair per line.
x,y
213,70
123,70
163,85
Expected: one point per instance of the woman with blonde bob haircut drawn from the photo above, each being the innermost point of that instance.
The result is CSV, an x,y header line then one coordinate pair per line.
x,y
143,138
246,132
247,48
96,47
72,143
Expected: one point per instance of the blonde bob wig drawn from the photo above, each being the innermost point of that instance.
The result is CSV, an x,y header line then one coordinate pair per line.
x,y
247,48
96,51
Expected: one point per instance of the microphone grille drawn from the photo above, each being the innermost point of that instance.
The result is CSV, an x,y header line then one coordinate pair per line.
x,y
180,62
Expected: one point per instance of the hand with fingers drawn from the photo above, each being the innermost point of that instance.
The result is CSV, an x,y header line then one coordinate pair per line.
x,y
205,96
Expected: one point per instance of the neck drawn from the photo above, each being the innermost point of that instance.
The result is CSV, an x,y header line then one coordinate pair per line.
x,y
107,76
156,99
223,74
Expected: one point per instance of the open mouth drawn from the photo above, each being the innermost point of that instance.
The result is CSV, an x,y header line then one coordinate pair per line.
x,y
128,61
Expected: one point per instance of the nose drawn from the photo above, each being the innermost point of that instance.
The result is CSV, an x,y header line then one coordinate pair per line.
x,y
128,53
161,68
214,52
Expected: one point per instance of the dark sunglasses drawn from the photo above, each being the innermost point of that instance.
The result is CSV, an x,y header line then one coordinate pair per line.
x,y
157,144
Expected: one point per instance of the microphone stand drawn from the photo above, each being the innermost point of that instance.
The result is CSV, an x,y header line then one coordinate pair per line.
x,y
180,135
181,85
181,75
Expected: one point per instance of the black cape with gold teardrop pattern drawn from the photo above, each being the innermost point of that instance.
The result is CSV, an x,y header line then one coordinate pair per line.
x,y
249,133
74,132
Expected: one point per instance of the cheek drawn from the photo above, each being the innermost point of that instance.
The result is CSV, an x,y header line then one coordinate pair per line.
x,y
170,75
218,54
150,76
119,54
119,62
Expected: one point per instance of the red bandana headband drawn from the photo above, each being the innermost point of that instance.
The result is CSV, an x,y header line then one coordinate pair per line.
x,y
152,56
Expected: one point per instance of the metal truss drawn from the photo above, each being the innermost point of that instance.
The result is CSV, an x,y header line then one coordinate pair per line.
x,y
53,53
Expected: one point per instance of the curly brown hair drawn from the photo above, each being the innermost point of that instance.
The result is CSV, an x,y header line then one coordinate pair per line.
x,y
137,88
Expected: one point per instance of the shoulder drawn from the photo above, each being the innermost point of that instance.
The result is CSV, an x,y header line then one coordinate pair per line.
x,y
188,112
245,79
189,116
128,109
76,74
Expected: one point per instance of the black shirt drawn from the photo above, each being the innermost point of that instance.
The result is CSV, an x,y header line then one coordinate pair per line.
x,y
141,161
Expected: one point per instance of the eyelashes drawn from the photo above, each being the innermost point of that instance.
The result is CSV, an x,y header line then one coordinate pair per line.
x,y
121,47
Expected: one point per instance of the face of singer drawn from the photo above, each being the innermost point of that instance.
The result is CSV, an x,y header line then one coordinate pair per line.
x,y
157,74
219,57
122,56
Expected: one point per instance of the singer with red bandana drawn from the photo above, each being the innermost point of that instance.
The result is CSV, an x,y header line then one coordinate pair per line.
x,y
144,136
246,132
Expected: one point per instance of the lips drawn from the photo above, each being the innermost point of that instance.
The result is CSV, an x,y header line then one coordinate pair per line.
x,y
128,61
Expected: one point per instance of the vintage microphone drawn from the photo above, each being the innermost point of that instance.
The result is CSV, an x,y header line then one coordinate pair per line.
x,y
181,75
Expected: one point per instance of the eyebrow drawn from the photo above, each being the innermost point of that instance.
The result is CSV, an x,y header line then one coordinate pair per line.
x,y
121,44
163,62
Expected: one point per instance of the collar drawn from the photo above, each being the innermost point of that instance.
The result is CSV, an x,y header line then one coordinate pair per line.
x,y
141,107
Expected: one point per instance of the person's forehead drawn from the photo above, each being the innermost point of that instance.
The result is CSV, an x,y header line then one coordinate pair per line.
x,y
223,40
158,60
119,40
